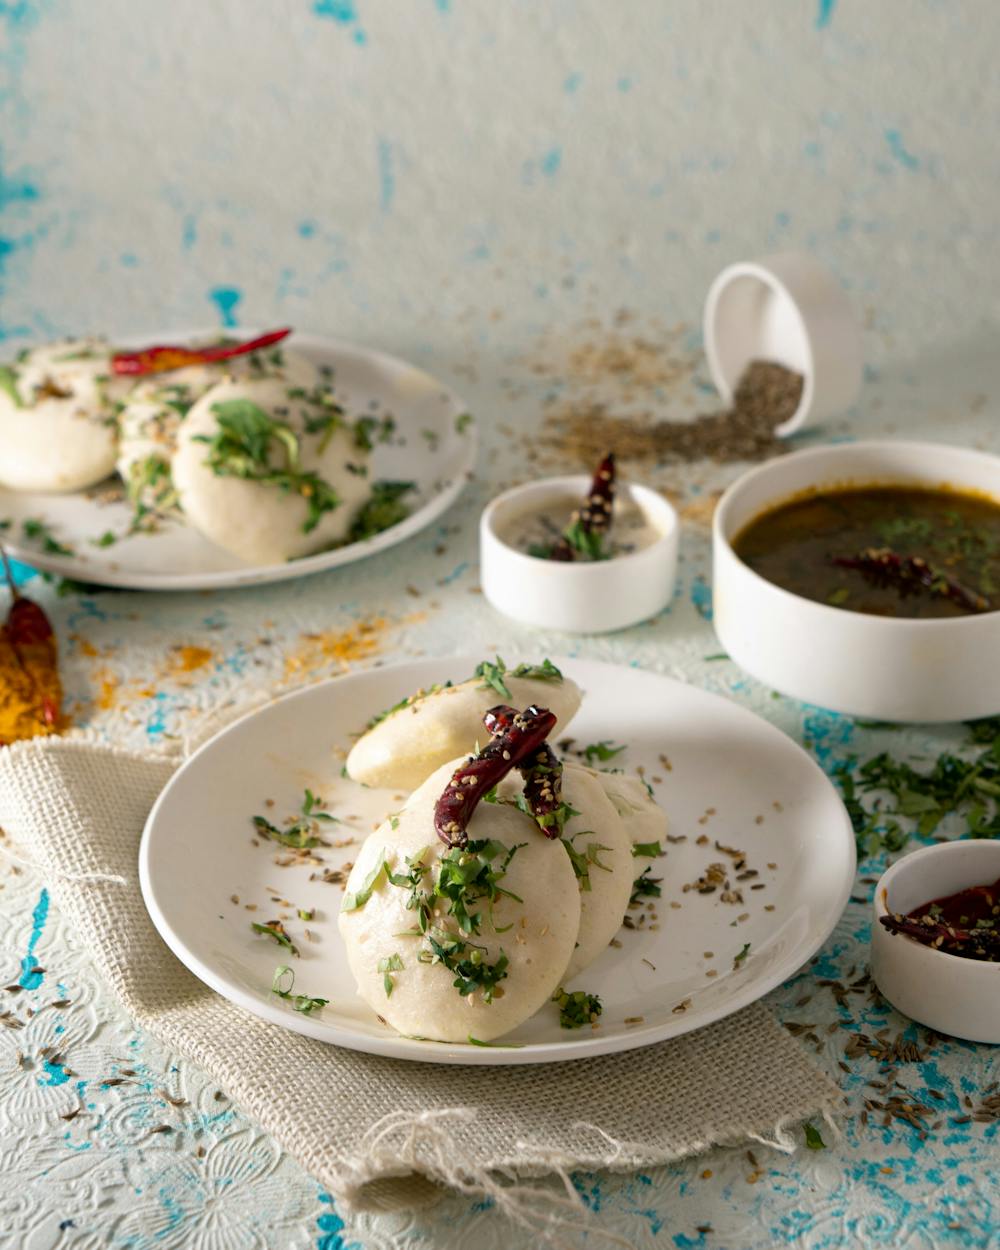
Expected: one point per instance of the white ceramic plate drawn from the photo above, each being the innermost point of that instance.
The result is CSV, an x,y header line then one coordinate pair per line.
x,y
727,768
429,449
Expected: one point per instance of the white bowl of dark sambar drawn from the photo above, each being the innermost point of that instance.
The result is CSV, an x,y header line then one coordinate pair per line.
x,y
865,578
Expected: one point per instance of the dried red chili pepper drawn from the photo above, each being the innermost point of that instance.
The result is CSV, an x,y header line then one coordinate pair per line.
x,y
163,357
910,574
518,739
30,686
969,943
542,773
591,522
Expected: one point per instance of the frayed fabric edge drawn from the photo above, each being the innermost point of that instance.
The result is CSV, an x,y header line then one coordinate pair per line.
x,y
404,1144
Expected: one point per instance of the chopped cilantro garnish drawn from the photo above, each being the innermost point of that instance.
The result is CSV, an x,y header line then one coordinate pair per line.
x,y
315,809
647,850
968,786
602,751
352,901
474,1041
738,959
645,886
468,875
107,539
371,430
814,1140
463,421
34,527
282,984
493,677
8,384
577,1008
242,448
467,961
589,543
383,509
387,966
583,861
150,490
546,671
493,674
275,930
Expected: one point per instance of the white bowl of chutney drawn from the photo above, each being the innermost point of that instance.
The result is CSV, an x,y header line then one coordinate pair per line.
x,y
827,640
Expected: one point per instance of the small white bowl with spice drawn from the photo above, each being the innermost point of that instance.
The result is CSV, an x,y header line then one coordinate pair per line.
x,y
865,577
929,893
788,309
527,575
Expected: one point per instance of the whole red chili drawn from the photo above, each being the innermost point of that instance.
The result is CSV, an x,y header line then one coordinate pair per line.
x,y
542,773
160,358
589,524
911,574
30,686
517,739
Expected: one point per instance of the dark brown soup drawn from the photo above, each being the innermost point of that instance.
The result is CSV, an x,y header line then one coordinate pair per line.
x,y
885,550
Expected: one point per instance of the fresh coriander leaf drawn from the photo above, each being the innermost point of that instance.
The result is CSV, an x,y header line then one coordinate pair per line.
x,y
296,837
307,913
645,886
602,751
546,671
275,930
474,1041
577,1008
463,421
813,1139
315,809
384,508
35,528
358,899
589,543
107,539
387,966
8,384
493,677
647,850
282,983
738,959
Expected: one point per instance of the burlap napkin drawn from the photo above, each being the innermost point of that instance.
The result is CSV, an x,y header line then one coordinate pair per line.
x,y
378,1133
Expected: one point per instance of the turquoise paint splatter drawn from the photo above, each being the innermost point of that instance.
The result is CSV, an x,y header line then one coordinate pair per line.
x,y
30,979
551,161
332,1226
455,573
386,176
701,597
624,84
157,723
443,6
129,260
824,14
344,13
341,11
56,1073
899,150
572,82
189,232
307,229
226,298
15,189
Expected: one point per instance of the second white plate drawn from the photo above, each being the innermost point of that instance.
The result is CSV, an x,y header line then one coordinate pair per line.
x,y
434,447
730,783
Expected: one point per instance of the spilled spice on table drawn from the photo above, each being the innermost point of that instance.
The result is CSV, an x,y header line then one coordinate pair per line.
x,y
766,395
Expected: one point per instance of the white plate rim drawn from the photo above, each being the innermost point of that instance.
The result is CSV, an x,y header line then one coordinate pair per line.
x,y
262,575
397,1047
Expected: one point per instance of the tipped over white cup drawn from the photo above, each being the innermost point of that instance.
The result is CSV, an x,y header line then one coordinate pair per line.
x,y
789,309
